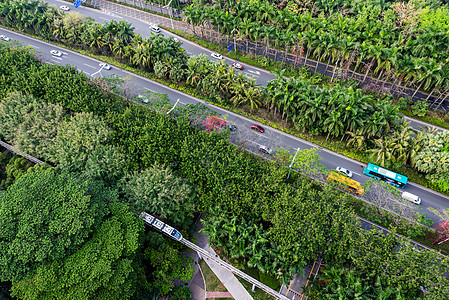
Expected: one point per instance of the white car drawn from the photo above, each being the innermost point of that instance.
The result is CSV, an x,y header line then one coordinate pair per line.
x,y
64,8
56,53
155,28
264,149
217,55
4,38
344,171
176,40
105,66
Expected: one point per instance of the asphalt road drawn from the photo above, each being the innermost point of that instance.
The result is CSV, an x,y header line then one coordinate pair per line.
x,y
262,76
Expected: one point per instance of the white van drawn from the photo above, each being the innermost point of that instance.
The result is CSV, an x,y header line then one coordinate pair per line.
x,y
410,197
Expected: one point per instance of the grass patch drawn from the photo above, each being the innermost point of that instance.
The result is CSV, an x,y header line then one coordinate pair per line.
x,y
213,284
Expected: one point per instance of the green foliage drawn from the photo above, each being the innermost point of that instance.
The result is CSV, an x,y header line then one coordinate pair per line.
x,y
29,123
44,217
269,280
16,167
158,191
420,108
166,264
104,267
181,293
438,18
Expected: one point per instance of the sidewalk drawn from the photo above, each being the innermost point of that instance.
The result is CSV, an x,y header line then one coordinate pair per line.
x,y
228,279
196,285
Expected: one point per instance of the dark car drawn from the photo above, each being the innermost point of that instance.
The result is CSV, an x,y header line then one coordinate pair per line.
x,y
232,127
257,128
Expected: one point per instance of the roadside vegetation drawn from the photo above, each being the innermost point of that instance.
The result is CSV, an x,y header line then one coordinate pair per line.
x,y
251,209
401,42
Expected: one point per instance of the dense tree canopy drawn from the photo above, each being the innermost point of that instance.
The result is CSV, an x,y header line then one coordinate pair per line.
x,y
44,217
158,191
104,267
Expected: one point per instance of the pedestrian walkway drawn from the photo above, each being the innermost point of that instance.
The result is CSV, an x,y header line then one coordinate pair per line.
x,y
235,288
196,285
216,295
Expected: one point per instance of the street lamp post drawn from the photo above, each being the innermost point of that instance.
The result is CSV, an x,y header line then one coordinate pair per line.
x,y
291,164
177,101
234,40
170,14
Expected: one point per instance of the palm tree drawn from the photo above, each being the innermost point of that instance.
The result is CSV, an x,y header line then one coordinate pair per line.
x,y
384,151
375,52
357,139
333,124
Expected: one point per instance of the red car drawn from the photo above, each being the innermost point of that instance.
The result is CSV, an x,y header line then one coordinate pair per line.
x,y
237,65
257,128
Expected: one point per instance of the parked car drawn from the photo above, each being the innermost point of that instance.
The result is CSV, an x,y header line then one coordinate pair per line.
x,y
257,128
232,128
64,8
264,149
4,38
105,66
56,53
155,29
176,40
217,55
237,65
344,171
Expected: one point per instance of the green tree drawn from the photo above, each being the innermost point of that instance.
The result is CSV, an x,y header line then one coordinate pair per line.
x,y
76,139
106,266
158,191
166,264
44,217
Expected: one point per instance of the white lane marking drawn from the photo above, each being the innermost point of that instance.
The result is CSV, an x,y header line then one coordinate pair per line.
x,y
253,142
357,173
182,102
254,72
250,75
57,58
90,66
150,90
104,19
86,72
33,46
57,62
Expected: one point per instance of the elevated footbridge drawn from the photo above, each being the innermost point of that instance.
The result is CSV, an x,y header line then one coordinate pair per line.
x,y
174,234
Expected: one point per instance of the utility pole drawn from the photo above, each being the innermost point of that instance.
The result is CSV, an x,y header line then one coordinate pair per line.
x,y
291,164
171,13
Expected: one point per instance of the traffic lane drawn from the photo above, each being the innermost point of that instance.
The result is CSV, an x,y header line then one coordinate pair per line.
x,y
262,76
418,124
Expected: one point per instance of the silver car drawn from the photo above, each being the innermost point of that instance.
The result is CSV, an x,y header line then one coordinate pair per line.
x,y
4,38
155,28
105,66
265,149
217,55
56,53
344,171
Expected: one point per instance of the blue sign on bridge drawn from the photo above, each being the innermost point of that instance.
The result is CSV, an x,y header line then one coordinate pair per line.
x,y
77,3
230,47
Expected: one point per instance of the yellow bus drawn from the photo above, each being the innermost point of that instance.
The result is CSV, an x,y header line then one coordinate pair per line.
x,y
345,183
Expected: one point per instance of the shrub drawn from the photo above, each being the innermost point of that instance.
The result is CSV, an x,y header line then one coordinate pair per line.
x,y
420,108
